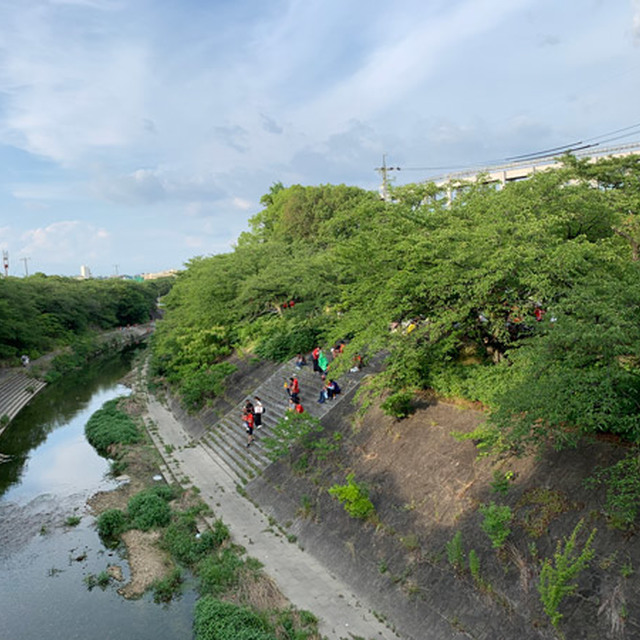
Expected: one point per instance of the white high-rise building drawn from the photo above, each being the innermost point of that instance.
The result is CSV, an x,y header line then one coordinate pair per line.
x,y
85,272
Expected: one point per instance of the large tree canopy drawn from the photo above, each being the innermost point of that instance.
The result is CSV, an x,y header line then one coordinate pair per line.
x,y
40,313
523,297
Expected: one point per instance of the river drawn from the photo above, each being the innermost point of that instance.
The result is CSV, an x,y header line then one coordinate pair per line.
x,y
44,562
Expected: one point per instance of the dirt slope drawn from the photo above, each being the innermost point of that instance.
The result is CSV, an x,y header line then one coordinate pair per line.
x,y
426,487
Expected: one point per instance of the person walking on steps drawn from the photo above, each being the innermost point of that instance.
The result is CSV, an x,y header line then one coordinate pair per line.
x,y
258,410
294,389
249,423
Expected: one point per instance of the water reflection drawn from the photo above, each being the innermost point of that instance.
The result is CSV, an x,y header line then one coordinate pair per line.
x,y
43,562
69,403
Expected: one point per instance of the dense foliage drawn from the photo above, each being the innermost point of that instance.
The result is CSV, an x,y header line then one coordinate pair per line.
x,y
525,298
110,426
40,313
218,620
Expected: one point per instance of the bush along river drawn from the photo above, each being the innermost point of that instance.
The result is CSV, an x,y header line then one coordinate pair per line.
x,y
50,552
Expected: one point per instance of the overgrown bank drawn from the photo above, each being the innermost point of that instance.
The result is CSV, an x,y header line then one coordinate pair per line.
x,y
523,299
237,598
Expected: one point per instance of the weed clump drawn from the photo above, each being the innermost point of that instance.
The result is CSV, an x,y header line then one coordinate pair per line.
x,y
399,405
215,619
110,426
354,497
111,524
147,510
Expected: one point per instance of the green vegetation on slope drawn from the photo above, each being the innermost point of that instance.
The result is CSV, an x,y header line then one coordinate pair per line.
x,y
523,298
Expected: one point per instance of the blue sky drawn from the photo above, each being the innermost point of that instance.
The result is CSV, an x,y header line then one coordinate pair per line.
x,y
137,134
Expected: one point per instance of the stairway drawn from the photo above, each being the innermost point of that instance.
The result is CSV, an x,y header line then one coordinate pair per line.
x,y
226,440
16,390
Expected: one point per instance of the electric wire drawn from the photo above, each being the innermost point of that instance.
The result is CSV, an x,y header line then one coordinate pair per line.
x,y
581,145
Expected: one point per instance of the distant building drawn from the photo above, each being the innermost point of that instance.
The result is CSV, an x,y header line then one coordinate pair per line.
x,y
85,272
160,274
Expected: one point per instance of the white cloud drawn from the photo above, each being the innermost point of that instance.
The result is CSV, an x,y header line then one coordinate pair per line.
x,y
71,88
150,186
66,242
242,204
635,21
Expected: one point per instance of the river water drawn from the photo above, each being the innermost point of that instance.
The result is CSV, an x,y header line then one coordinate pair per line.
x,y
44,562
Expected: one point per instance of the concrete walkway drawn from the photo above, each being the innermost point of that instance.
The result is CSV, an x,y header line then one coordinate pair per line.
x,y
302,579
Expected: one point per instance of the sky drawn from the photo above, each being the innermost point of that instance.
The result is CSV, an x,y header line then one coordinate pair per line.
x,y
136,135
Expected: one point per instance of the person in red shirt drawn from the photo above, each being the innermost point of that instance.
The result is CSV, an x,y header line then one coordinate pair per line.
x,y
294,388
315,354
249,423
299,408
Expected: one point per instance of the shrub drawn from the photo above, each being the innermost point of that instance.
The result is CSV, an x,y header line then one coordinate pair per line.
x,y
399,405
487,439
205,383
72,521
148,510
354,497
496,523
164,589
219,572
109,426
474,566
217,620
622,481
455,551
556,578
293,428
111,524
501,481
286,340
179,538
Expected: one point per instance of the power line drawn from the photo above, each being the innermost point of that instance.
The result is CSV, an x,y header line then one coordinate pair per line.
x,y
581,145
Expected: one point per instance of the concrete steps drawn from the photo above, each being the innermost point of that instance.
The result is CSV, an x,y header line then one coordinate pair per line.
x,y
226,440
16,390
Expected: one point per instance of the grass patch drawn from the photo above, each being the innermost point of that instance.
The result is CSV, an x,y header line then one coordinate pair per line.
x,y
101,580
622,482
165,589
218,620
219,572
538,507
109,426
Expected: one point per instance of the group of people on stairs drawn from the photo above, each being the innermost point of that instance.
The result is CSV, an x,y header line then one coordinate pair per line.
x,y
253,411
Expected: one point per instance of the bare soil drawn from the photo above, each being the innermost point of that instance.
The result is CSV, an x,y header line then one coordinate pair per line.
x,y
427,487
147,561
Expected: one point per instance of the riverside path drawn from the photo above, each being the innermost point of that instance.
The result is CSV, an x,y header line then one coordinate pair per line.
x,y
300,577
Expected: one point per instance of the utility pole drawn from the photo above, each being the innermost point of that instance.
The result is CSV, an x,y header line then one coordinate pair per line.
x,y
26,269
383,170
5,262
